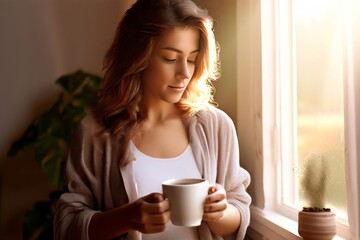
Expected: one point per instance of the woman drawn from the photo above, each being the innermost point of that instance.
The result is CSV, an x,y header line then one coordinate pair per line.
x,y
155,107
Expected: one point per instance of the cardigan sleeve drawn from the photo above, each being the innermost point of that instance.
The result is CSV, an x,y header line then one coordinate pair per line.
x,y
75,208
216,150
234,178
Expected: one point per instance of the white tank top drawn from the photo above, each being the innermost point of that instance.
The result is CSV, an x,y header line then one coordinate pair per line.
x,y
150,172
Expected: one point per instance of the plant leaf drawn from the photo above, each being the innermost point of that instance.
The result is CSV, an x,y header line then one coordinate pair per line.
x,y
26,140
50,134
72,82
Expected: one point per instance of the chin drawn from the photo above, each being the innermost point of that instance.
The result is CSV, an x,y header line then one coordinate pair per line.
x,y
173,99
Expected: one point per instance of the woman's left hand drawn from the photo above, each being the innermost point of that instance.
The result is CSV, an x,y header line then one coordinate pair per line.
x,y
215,203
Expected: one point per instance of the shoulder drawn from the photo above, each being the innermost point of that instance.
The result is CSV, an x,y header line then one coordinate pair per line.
x,y
90,125
213,116
89,129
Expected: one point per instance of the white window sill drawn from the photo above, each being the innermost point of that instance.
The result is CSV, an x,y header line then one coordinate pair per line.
x,y
273,226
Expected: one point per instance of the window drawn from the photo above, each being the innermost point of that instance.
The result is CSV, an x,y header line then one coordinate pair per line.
x,y
311,101
309,65
310,108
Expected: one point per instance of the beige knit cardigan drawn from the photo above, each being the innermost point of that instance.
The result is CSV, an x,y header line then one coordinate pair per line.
x,y
97,182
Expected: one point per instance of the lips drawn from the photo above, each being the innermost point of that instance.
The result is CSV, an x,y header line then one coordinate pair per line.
x,y
177,88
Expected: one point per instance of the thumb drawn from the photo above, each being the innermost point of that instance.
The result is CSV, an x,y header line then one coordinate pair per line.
x,y
154,198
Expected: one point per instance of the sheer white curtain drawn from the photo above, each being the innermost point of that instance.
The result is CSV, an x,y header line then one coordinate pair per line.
x,y
352,113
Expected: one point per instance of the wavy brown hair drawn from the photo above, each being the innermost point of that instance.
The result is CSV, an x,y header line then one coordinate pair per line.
x,y
129,54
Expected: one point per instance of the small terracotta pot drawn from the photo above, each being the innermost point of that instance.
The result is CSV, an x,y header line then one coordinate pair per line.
x,y
317,225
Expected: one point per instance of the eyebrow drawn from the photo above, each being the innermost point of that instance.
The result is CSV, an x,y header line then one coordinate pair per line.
x,y
178,51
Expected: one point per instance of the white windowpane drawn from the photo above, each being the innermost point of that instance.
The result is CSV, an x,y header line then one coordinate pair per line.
x,y
318,28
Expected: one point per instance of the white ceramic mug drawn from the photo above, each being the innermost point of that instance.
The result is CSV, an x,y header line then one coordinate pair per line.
x,y
187,197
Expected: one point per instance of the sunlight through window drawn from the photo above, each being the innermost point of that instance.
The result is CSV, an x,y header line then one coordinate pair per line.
x,y
318,26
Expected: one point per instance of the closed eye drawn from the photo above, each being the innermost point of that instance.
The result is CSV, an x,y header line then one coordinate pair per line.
x,y
169,60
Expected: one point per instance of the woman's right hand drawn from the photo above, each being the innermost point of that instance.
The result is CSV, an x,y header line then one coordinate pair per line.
x,y
150,213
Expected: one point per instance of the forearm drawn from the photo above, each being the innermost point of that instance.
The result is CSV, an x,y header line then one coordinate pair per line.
x,y
228,223
148,214
109,224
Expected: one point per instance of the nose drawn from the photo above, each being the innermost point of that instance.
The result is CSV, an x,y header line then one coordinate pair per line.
x,y
183,70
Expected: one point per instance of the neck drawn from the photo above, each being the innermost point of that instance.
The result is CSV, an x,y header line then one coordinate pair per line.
x,y
159,112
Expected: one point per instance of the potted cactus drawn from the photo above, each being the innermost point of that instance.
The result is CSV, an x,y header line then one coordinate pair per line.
x,y
316,220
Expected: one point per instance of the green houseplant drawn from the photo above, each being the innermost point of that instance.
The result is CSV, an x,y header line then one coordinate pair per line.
x,y
49,136
316,221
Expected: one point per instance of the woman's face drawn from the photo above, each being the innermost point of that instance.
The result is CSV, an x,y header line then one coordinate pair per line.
x,y
171,65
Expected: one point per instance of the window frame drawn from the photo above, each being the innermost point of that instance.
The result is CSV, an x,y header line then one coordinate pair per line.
x,y
270,216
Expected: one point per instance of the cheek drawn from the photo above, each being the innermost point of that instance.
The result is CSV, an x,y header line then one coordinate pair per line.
x,y
192,69
158,68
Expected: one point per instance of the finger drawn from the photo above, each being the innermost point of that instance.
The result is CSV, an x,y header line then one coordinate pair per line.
x,y
155,223
216,196
152,228
153,198
155,208
215,207
157,228
157,219
213,216
157,198
212,189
